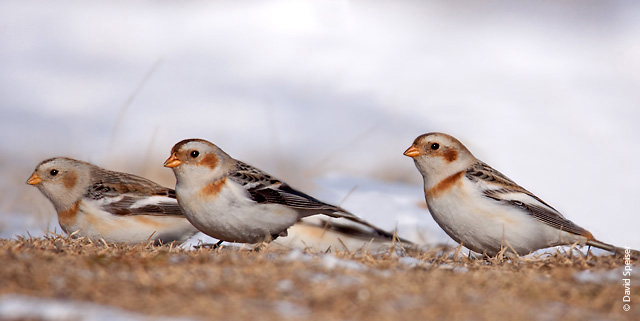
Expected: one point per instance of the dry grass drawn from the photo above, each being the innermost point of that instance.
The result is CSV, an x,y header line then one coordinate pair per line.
x,y
275,284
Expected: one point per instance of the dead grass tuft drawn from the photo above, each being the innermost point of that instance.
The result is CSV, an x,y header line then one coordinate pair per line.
x,y
272,284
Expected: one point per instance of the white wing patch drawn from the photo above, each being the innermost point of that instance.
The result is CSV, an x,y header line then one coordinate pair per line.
x,y
153,200
104,201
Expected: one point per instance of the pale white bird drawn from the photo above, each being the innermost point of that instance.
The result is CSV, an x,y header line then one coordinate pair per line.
x,y
117,207
482,209
232,201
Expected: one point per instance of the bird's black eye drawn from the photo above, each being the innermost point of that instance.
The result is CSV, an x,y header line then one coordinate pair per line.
x,y
435,146
194,153
53,172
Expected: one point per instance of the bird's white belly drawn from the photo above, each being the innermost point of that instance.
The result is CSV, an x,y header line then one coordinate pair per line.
x,y
233,218
93,223
485,226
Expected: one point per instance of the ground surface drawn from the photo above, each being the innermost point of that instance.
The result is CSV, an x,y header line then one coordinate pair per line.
x,y
275,284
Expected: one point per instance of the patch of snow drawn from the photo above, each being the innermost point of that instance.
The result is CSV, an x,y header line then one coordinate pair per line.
x,y
457,269
328,261
285,285
13,224
291,310
550,311
331,262
19,307
410,261
606,276
319,277
298,255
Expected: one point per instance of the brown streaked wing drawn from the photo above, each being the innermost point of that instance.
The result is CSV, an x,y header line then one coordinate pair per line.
x,y
110,183
245,174
285,195
263,188
481,171
169,207
131,188
541,211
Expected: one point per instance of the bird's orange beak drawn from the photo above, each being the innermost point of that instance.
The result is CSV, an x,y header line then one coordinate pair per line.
x,y
34,179
412,152
172,161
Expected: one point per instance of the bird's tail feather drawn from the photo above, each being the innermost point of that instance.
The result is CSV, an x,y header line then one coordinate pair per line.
x,y
354,218
614,249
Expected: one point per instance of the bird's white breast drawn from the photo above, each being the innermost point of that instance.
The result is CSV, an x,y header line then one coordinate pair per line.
x,y
230,215
485,225
93,222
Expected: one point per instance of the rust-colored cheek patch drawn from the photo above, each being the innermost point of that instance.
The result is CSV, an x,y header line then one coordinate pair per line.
x,y
209,160
445,185
450,155
69,180
211,190
67,218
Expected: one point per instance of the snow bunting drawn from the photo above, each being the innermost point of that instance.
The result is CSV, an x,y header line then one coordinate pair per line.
x,y
235,202
484,210
102,204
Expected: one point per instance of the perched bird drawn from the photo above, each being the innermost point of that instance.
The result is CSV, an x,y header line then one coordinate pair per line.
x,y
235,202
482,209
102,204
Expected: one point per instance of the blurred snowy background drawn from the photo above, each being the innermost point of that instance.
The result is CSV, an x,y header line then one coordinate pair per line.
x,y
327,95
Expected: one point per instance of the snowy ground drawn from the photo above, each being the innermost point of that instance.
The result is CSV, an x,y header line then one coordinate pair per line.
x,y
72,279
18,307
328,94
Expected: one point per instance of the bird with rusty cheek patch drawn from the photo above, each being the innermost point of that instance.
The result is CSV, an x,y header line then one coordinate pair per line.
x,y
236,202
62,181
116,207
484,210
432,155
197,164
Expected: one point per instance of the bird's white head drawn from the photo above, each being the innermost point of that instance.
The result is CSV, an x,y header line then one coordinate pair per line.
x,y
62,180
197,161
438,156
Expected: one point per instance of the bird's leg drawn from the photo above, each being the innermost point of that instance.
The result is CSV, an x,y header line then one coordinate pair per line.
x,y
209,245
268,239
